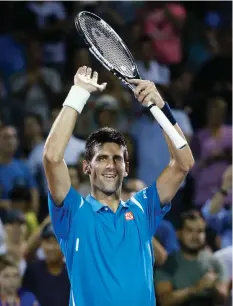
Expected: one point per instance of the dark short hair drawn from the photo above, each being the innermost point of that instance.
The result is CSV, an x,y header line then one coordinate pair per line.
x,y
102,136
192,215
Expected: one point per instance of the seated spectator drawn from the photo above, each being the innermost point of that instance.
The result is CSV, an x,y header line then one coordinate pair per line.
x,y
37,86
217,214
48,279
164,23
21,200
166,235
212,150
130,187
11,292
148,67
74,176
33,133
14,172
84,186
35,160
190,276
16,232
51,20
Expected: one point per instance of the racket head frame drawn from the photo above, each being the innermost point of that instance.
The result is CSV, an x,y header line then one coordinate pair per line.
x,y
99,56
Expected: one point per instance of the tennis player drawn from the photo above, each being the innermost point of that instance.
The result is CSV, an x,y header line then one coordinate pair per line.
x,y
107,242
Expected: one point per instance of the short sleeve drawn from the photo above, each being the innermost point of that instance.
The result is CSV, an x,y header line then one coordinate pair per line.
x,y
219,268
62,216
149,200
161,276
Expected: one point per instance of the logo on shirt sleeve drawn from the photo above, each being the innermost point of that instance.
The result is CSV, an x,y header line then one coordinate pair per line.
x,y
129,216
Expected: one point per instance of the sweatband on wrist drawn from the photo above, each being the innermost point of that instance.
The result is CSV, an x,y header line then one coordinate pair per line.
x,y
77,98
168,113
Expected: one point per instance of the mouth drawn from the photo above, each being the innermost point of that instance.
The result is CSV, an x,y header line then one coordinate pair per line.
x,y
109,176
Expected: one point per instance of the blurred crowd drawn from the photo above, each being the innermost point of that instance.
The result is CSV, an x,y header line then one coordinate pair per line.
x,y
185,48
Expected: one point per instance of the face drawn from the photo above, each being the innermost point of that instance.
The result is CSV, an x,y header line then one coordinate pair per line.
x,y
16,231
107,168
31,127
52,250
192,235
8,140
10,280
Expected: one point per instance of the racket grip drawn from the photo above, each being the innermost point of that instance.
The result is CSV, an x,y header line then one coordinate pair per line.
x,y
169,129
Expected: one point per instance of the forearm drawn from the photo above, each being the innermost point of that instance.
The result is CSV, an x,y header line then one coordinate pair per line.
x,y
160,253
216,203
183,157
60,134
177,297
34,240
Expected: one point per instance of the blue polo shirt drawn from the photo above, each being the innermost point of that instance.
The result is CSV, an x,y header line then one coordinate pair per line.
x,y
109,255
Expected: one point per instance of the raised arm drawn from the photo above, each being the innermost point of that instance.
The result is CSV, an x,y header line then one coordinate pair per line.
x,y
181,160
55,167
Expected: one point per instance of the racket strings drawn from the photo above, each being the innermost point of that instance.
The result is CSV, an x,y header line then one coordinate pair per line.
x,y
107,43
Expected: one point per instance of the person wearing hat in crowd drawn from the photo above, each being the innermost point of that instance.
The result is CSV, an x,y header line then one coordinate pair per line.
x,y
11,293
48,278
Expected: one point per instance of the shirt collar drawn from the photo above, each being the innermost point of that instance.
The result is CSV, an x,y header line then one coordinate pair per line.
x,y
96,205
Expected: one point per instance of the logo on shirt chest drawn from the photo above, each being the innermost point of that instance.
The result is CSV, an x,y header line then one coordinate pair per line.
x,y
129,216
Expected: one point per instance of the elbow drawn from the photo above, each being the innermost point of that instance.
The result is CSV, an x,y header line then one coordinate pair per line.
x,y
50,155
189,164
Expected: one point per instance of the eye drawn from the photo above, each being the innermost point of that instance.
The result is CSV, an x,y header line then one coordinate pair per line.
x,y
118,159
102,158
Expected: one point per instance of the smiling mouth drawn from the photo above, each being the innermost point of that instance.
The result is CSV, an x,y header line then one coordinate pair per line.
x,y
109,176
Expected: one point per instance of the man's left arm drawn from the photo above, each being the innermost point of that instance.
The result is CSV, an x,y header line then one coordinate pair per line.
x,y
181,160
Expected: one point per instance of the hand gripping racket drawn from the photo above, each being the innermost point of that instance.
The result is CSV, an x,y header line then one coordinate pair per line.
x,y
109,49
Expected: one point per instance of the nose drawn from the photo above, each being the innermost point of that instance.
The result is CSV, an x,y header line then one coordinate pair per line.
x,y
110,164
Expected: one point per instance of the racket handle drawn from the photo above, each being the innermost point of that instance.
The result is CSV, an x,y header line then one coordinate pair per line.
x,y
169,129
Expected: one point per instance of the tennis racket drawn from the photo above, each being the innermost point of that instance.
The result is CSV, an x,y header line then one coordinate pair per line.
x,y
109,49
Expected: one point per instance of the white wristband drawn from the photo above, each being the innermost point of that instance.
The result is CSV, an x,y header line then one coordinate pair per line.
x,y
77,98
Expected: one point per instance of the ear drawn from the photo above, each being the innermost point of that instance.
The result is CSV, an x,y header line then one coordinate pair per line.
x,y
126,169
86,167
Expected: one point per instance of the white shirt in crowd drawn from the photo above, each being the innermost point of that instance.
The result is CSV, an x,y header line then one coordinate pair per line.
x,y
54,52
73,151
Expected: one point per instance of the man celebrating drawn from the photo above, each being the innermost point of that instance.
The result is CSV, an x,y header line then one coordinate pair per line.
x,y
107,242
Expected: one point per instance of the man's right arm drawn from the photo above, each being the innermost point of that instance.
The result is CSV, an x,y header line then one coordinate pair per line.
x,y
55,168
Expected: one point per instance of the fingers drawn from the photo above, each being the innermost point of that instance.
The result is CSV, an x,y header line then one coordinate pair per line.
x,y
88,72
142,86
144,93
95,76
102,86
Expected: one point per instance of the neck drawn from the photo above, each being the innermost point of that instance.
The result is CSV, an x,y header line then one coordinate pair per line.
x,y
189,256
6,158
55,268
111,201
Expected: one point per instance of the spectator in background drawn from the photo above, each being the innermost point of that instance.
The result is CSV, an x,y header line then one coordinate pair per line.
x,y
74,176
148,67
205,49
33,134
14,172
217,215
16,233
36,87
212,150
84,186
108,113
185,279
48,278
21,200
73,150
10,286
51,21
164,24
